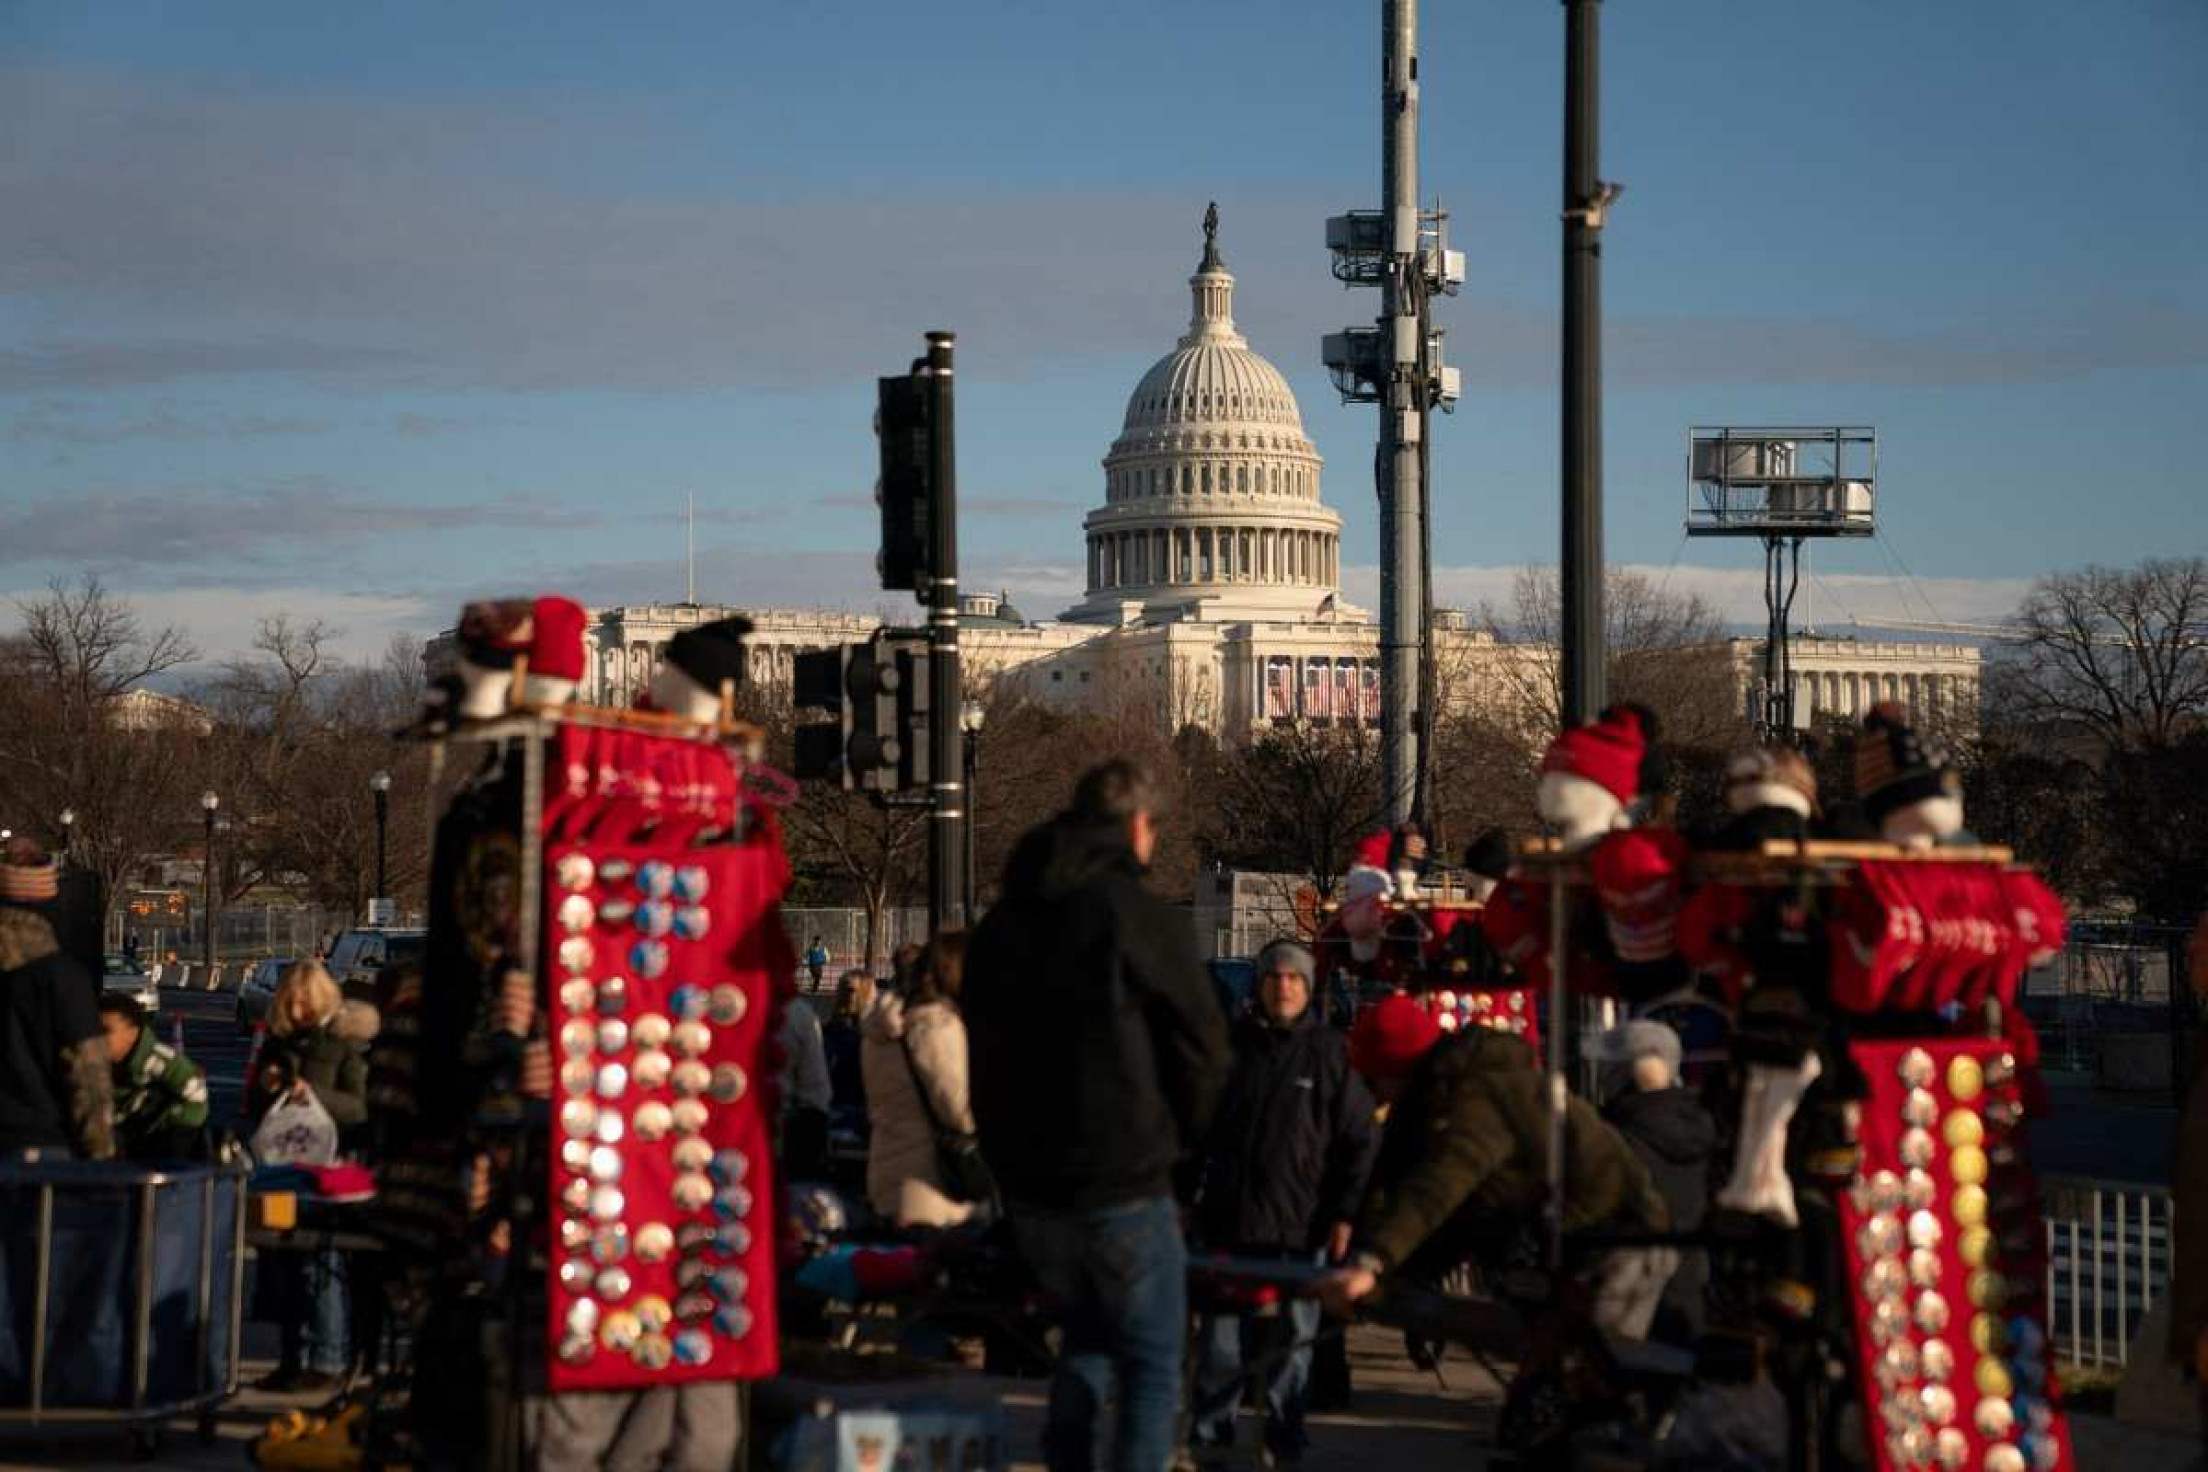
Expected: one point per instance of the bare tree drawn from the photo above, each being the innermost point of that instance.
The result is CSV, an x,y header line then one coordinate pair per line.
x,y
88,648
1297,798
66,743
2119,652
299,735
1666,650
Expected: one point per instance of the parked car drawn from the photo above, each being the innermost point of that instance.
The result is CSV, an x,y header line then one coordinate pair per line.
x,y
258,990
120,974
359,954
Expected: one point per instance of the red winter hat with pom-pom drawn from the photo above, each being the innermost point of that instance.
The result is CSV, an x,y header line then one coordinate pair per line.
x,y
1391,1036
556,643
1606,752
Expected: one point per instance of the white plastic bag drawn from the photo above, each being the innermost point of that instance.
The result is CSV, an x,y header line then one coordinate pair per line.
x,y
296,1131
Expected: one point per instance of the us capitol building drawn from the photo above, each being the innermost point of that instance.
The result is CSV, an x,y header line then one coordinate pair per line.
x,y
1213,573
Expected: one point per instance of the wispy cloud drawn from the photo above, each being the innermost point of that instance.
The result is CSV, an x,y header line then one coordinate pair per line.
x,y
184,233
178,528
73,424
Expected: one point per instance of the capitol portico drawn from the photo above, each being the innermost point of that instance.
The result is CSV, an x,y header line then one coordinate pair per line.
x,y
1212,583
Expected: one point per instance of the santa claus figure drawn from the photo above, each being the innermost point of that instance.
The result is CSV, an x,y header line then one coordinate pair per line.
x,y
1591,775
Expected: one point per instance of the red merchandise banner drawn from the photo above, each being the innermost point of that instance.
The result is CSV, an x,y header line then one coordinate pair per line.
x,y
1945,1258
665,964
1917,936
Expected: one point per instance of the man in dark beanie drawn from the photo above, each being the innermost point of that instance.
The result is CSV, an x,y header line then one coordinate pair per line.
x,y
1290,1149
56,1093
1096,1054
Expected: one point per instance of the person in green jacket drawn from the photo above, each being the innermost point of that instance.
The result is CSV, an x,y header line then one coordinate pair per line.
x,y
160,1095
1464,1161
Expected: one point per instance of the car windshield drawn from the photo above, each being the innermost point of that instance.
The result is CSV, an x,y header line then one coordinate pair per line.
x,y
375,948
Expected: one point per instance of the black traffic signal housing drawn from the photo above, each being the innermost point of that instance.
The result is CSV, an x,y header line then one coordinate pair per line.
x,y
877,691
902,423
817,683
914,762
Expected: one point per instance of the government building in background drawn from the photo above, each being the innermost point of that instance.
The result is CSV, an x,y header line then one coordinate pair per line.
x,y
1213,584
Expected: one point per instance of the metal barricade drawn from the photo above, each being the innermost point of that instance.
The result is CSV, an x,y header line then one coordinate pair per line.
x,y
2108,1261
184,1239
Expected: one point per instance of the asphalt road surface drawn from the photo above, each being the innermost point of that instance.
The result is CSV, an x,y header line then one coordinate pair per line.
x,y
212,1040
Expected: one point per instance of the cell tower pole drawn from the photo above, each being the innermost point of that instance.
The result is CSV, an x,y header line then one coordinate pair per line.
x,y
1402,414
1585,200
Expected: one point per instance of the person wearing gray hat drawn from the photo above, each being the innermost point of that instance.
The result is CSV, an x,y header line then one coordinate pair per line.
x,y
1283,1177
1675,1137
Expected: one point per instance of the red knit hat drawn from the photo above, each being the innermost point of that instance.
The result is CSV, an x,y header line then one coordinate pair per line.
x,y
1391,1036
556,641
1372,850
1606,752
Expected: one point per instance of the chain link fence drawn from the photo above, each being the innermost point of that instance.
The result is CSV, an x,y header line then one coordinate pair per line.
x,y
842,932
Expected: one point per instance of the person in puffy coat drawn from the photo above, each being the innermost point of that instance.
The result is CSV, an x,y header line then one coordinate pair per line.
x,y
1463,1166
911,1042
1290,1148
317,1045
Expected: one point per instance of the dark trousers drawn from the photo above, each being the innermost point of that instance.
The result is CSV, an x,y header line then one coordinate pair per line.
x,y
1118,1276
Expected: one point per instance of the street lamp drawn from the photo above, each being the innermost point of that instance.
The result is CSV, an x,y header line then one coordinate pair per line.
x,y
208,802
69,834
380,785
970,717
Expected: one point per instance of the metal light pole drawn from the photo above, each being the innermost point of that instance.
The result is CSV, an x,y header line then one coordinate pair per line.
x,y
380,785
971,717
208,802
946,749
1586,200
69,835
1402,414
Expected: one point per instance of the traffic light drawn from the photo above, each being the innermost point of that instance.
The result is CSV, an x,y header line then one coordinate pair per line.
x,y
877,692
901,421
817,682
913,760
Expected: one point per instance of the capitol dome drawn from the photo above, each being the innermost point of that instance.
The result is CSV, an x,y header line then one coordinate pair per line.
x,y
1211,492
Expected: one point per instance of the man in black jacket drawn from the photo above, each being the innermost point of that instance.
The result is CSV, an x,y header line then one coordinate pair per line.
x,y
56,1093
1286,1171
1097,1052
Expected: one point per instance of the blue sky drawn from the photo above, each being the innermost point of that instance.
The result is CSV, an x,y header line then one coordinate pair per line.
x,y
356,312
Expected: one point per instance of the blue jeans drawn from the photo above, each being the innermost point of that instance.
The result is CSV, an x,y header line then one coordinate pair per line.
x,y
1118,1276
1281,1344
312,1322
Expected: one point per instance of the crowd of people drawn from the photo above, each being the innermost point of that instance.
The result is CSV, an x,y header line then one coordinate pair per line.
x,y
1064,1074
1067,1070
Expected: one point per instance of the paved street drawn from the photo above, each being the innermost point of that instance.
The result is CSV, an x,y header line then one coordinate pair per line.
x,y
213,1041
